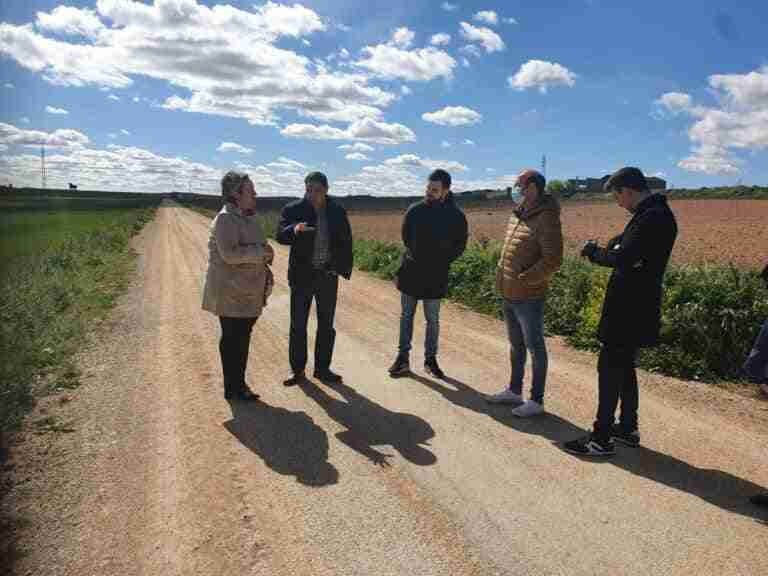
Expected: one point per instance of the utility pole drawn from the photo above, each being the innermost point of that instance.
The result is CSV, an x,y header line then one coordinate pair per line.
x,y
42,165
544,165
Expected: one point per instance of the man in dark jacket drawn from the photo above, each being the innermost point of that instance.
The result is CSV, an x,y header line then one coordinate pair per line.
x,y
434,232
318,232
756,369
631,317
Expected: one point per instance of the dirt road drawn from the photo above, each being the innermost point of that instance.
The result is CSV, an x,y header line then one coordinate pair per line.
x,y
161,476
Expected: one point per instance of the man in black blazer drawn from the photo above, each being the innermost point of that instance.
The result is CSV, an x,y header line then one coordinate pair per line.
x,y
317,230
631,316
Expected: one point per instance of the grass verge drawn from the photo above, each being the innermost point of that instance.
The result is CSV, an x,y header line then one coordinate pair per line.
x,y
52,293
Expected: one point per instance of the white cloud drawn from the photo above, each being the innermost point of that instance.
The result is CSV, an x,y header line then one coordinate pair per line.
x,y
413,160
65,138
738,122
71,21
52,110
487,16
24,120
403,37
112,135
284,163
366,130
469,142
674,102
465,63
136,99
9,86
357,147
306,42
453,116
422,65
710,160
491,41
510,20
114,97
542,75
445,144
448,7
490,170
192,47
233,147
440,39
125,132
356,156
405,90
3,147
344,53
472,50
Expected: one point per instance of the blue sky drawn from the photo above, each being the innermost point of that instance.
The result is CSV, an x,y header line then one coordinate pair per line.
x,y
169,94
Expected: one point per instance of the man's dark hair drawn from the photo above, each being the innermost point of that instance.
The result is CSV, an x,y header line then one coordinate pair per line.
x,y
441,176
318,177
627,177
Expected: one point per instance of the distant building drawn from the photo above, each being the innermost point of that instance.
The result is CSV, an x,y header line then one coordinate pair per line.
x,y
595,185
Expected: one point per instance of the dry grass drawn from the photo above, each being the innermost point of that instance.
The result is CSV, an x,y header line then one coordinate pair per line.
x,y
710,231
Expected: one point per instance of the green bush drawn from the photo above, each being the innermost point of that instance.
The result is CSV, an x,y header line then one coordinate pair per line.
x,y
472,279
710,315
380,258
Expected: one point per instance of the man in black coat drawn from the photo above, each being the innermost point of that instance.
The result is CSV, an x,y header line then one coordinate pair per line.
x,y
631,316
317,230
434,232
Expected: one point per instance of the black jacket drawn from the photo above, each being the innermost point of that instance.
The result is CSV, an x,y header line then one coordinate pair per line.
x,y
434,236
303,245
632,307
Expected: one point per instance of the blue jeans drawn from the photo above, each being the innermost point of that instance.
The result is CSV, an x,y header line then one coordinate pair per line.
x,y
431,314
525,327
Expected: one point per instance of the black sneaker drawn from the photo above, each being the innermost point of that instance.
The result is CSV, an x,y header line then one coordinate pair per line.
x,y
760,500
590,446
400,367
296,379
432,367
328,377
631,439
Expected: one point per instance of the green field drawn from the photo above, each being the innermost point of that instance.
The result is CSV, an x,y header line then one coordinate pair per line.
x,y
63,262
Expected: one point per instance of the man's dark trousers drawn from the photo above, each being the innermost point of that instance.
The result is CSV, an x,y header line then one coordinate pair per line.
x,y
617,380
233,347
323,287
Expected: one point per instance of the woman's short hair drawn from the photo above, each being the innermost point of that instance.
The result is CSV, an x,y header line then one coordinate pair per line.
x,y
231,184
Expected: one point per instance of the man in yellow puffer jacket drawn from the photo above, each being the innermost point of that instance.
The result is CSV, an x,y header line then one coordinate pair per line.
x,y
532,253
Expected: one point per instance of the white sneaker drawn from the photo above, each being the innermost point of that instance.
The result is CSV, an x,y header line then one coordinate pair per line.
x,y
505,397
528,409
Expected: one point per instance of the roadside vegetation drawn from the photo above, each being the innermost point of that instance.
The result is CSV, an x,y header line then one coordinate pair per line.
x,y
710,315
62,265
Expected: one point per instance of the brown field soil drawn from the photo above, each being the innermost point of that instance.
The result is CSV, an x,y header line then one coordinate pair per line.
x,y
710,231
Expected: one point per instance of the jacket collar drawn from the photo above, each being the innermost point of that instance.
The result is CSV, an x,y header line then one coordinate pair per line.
x,y
654,199
546,203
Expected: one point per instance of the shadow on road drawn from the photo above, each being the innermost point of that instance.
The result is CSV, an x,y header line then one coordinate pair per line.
x,y
369,424
713,486
290,443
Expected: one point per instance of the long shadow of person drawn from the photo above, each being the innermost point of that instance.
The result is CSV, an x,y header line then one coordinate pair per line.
x,y
369,424
290,443
714,486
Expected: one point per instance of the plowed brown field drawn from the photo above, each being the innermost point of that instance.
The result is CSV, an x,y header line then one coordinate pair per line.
x,y
710,231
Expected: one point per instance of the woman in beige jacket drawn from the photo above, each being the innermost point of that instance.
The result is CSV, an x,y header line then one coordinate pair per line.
x,y
532,253
238,280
